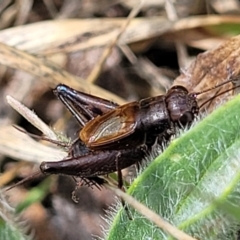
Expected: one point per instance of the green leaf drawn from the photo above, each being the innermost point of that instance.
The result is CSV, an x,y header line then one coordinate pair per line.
x,y
11,226
192,182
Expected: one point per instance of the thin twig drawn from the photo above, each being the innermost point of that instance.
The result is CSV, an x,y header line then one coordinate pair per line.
x,y
98,67
180,47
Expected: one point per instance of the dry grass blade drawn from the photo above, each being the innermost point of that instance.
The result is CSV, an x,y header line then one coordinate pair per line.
x,y
32,118
201,21
24,8
48,71
98,67
180,47
51,8
203,32
71,35
18,145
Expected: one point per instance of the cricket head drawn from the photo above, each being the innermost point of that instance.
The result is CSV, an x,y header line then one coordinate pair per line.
x,y
182,105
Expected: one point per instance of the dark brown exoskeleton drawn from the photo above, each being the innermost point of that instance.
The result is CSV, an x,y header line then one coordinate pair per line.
x,y
114,137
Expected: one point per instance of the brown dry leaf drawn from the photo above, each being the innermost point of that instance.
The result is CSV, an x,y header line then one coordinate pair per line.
x,y
211,68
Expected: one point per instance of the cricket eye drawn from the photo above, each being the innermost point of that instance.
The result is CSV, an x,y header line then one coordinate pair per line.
x,y
186,118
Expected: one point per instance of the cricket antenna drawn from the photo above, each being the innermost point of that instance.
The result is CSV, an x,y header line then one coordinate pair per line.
x,y
56,142
232,80
217,95
35,175
219,85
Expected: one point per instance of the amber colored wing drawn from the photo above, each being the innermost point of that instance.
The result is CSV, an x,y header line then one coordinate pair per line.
x,y
111,127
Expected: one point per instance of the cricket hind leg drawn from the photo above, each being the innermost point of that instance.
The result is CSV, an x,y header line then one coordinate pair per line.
x,y
82,106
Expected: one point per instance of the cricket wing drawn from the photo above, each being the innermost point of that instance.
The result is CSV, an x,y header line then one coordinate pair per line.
x,y
111,127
